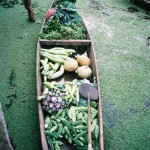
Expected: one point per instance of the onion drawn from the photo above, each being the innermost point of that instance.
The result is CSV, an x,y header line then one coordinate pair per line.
x,y
84,72
83,60
70,65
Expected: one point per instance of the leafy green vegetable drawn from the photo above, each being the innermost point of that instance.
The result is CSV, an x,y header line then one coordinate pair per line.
x,y
64,24
72,114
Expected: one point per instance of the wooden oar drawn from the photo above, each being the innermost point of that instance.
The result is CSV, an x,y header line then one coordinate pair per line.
x,y
90,92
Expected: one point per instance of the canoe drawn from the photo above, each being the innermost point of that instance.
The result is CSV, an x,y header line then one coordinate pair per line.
x,y
87,45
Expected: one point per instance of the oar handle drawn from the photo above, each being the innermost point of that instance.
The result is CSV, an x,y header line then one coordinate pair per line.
x,y
89,125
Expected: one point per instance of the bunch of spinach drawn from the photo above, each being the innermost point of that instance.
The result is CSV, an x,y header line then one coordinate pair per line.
x,y
59,1
64,24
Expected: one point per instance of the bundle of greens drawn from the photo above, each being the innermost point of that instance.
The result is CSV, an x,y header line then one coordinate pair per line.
x,y
64,24
59,1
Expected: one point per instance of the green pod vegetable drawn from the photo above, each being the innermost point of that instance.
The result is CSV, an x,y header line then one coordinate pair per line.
x,y
82,127
53,59
54,123
59,113
66,136
54,128
47,84
56,66
73,90
70,140
78,143
58,73
79,116
51,144
58,142
57,147
94,123
83,140
67,131
46,67
81,134
60,128
82,148
96,131
51,65
80,122
72,114
47,120
58,52
63,114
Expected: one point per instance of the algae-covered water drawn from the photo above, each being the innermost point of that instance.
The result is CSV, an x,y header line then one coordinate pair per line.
x,y
122,48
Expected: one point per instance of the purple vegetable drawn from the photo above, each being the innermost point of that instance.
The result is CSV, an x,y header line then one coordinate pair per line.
x,y
63,103
54,99
51,105
57,105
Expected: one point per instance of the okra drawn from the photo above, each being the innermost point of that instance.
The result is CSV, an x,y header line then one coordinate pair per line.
x,y
73,90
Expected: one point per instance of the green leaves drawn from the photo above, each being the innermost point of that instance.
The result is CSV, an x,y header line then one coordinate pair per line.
x,y
72,114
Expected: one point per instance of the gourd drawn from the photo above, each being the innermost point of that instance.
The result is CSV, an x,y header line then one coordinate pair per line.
x,y
70,65
83,60
84,72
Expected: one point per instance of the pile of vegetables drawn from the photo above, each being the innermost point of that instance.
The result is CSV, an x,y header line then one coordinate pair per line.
x,y
68,115
71,124
65,23
57,60
53,62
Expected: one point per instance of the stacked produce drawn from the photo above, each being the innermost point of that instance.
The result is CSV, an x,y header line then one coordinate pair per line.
x,y
68,115
63,22
71,124
53,62
57,60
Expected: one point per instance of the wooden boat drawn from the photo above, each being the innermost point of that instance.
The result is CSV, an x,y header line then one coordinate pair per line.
x,y
87,44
